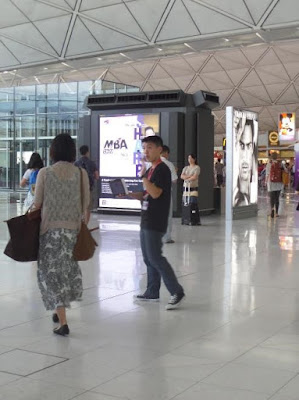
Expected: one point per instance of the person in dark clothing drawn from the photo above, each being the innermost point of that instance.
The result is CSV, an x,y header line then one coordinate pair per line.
x,y
155,203
92,172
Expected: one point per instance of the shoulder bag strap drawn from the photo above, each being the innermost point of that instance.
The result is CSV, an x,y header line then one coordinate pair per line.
x,y
81,191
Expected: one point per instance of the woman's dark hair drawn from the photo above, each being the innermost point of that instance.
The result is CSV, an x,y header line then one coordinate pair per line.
x,y
193,156
63,148
35,162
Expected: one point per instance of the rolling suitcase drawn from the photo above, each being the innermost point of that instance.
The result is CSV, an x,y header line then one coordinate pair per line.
x,y
190,211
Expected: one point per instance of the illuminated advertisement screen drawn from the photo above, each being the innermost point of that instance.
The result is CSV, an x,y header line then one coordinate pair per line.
x,y
121,153
245,152
286,127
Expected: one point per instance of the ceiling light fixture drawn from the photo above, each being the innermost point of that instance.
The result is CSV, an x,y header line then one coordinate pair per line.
x,y
99,58
260,36
159,49
45,68
5,72
65,64
227,40
188,45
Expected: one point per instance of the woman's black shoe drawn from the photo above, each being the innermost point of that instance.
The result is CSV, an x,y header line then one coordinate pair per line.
x,y
62,330
55,318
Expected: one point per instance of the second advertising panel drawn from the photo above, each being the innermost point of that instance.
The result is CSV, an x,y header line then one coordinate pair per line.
x,y
245,150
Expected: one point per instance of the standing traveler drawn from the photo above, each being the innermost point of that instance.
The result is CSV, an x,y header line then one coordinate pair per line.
x,y
155,203
274,183
174,177
92,172
58,194
219,172
30,177
190,176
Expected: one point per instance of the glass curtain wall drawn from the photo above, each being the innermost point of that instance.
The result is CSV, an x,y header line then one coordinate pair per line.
x,y
31,116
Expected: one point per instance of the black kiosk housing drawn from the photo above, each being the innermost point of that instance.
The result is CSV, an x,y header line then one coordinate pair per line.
x,y
186,126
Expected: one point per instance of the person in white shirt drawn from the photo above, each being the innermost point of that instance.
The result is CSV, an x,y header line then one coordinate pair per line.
x,y
164,157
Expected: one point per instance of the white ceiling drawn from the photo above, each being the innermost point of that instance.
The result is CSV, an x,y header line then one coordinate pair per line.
x,y
244,50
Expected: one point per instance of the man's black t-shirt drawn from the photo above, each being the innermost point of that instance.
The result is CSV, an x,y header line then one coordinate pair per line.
x,y
156,216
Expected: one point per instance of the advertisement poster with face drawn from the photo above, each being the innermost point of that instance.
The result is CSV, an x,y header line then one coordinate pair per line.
x,y
121,154
245,151
286,127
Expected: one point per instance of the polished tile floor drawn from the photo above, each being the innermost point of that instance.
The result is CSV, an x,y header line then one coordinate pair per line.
x,y
236,337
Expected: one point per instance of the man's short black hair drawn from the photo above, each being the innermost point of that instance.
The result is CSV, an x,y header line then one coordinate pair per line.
x,y
63,148
84,150
153,139
165,149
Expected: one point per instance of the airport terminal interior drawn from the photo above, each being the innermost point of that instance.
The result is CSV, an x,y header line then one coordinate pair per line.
x,y
216,70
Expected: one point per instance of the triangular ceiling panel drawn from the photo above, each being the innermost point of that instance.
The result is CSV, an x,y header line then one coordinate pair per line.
x,y
209,21
255,52
178,68
36,10
25,54
159,72
198,84
164,84
223,95
6,57
284,11
275,90
236,100
82,41
232,59
270,58
288,53
217,80
257,8
144,68
71,3
58,25
251,100
212,66
148,13
272,74
126,74
117,16
64,3
196,61
290,96
252,79
292,69
108,38
233,7
259,92
183,81
237,74
178,16
89,4
148,88
28,34
11,16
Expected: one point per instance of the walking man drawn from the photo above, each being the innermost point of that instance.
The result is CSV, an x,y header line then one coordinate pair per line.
x,y
92,172
155,203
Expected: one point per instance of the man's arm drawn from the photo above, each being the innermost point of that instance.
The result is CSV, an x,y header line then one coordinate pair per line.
x,y
136,195
153,190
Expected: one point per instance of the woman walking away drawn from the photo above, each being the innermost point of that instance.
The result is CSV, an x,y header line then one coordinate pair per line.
x,y
30,177
58,194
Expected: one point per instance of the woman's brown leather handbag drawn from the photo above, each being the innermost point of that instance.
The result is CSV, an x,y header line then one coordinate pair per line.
x,y
85,246
24,236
